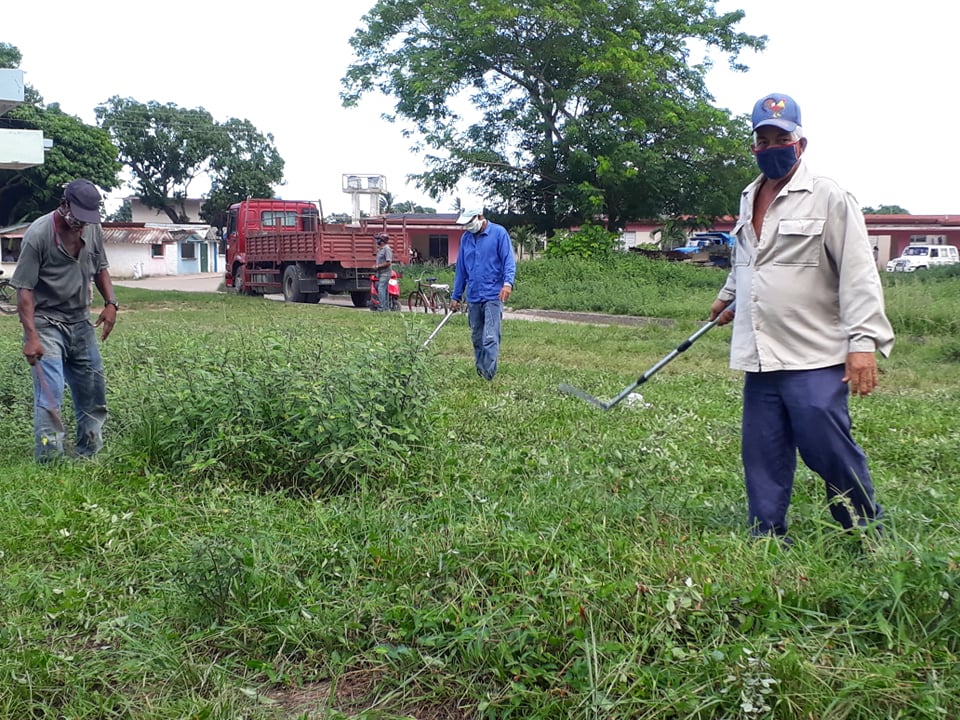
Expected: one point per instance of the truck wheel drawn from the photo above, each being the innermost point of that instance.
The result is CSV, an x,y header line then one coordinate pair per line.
x,y
360,298
238,279
291,284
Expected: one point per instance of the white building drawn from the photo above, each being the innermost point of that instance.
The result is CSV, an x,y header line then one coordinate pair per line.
x,y
19,149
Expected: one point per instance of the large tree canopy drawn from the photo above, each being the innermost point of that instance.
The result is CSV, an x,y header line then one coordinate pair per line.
x,y
166,147
78,150
578,109
246,164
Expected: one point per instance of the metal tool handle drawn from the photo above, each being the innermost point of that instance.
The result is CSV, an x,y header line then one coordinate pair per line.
x,y
442,323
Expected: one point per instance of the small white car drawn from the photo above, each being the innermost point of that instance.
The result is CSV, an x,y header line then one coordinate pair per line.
x,y
919,257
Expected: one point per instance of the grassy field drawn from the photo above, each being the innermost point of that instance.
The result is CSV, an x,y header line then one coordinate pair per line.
x,y
301,514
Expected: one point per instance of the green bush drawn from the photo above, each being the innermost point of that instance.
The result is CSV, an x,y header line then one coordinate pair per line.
x,y
590,241
282,413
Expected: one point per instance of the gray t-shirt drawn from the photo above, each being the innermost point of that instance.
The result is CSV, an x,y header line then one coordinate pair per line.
x,y
384,255
61,283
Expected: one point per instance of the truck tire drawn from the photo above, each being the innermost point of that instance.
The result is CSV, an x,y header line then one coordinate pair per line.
x,y
360,298
291,284
238,279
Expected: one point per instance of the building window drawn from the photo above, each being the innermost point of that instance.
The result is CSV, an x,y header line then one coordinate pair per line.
x,y
156,250
11,249
188,251
438,248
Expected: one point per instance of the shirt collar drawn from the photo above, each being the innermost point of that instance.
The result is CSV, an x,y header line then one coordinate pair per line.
x,y
802,180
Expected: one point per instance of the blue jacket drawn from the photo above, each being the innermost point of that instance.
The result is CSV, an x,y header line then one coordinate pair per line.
x,y
484,264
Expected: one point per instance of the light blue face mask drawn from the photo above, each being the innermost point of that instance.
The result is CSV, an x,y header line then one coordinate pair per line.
x,y
474,225
775,162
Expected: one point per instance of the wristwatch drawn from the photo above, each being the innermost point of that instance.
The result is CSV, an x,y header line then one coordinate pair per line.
x,y
111,302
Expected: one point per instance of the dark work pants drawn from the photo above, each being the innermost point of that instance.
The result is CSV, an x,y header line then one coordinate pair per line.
x,y
806,411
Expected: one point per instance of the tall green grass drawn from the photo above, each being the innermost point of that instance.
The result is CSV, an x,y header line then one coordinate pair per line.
x,y
302,514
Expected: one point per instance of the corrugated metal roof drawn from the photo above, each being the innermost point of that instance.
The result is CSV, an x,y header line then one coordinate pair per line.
x,y
132,233
15,231
151,233
136,236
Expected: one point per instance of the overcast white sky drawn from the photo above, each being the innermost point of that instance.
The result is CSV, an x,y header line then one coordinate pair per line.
x,y
874,84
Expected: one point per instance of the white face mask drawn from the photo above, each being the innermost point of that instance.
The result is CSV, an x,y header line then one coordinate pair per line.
x,y
474,225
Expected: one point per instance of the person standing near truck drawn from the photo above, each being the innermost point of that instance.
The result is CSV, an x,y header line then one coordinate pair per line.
x,y
62,254
808,322
485,269
384,267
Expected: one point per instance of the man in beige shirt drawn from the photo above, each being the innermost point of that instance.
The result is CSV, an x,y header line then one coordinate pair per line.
x,y
808,322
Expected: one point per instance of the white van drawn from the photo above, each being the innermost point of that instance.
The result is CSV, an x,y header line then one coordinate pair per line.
x,y
919,256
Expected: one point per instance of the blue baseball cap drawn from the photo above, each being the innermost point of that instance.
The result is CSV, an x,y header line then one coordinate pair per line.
x,y
778,110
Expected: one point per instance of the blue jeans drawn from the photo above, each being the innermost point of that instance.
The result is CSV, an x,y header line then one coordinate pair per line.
x,y
484,320
806,411
383,291
70,356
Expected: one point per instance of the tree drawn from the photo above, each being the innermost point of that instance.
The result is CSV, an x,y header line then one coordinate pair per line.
x,y
244,164
78,150
338,219
124,213
885,210
387,201
588,109
408,206
167,147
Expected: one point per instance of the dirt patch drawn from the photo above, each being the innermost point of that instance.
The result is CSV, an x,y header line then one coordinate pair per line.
x,y
356,691
564,316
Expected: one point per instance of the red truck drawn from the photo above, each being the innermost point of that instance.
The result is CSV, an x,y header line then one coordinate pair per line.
x,y
285,246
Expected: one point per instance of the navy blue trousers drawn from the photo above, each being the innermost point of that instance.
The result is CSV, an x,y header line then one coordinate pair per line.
x,y
802,410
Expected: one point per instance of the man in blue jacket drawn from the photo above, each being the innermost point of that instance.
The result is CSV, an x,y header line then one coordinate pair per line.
x,y
485,268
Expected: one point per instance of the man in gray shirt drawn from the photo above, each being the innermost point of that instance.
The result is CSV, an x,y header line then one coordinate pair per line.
x,y
384,266
62,255
808,322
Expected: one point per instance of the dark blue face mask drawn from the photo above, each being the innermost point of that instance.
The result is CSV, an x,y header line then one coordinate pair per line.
x,y
775,162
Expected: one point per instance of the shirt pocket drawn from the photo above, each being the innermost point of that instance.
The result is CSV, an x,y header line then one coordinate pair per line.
x,y
799,241
740,255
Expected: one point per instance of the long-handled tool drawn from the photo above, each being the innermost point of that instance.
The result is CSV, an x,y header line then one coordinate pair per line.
x,y
570,390
442,323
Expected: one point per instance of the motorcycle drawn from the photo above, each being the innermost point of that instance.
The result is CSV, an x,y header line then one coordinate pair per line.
x,y
393,292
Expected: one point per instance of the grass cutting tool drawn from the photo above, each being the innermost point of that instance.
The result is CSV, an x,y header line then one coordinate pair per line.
x,y
576,392
442,323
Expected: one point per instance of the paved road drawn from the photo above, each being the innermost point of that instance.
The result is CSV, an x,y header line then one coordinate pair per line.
x,y
212,282
200,282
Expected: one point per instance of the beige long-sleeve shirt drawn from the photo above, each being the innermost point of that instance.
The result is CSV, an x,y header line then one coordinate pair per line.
x,y
807,290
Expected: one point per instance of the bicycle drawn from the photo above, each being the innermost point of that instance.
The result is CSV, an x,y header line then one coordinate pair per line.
x,y
8,297
431,298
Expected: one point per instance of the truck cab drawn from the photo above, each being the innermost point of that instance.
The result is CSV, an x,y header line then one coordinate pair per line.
x,y
254,216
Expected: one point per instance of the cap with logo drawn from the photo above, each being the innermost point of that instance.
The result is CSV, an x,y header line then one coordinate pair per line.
x,y
778,110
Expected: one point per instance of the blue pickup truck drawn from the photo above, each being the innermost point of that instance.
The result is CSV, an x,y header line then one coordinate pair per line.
x,y
715,244
702,242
